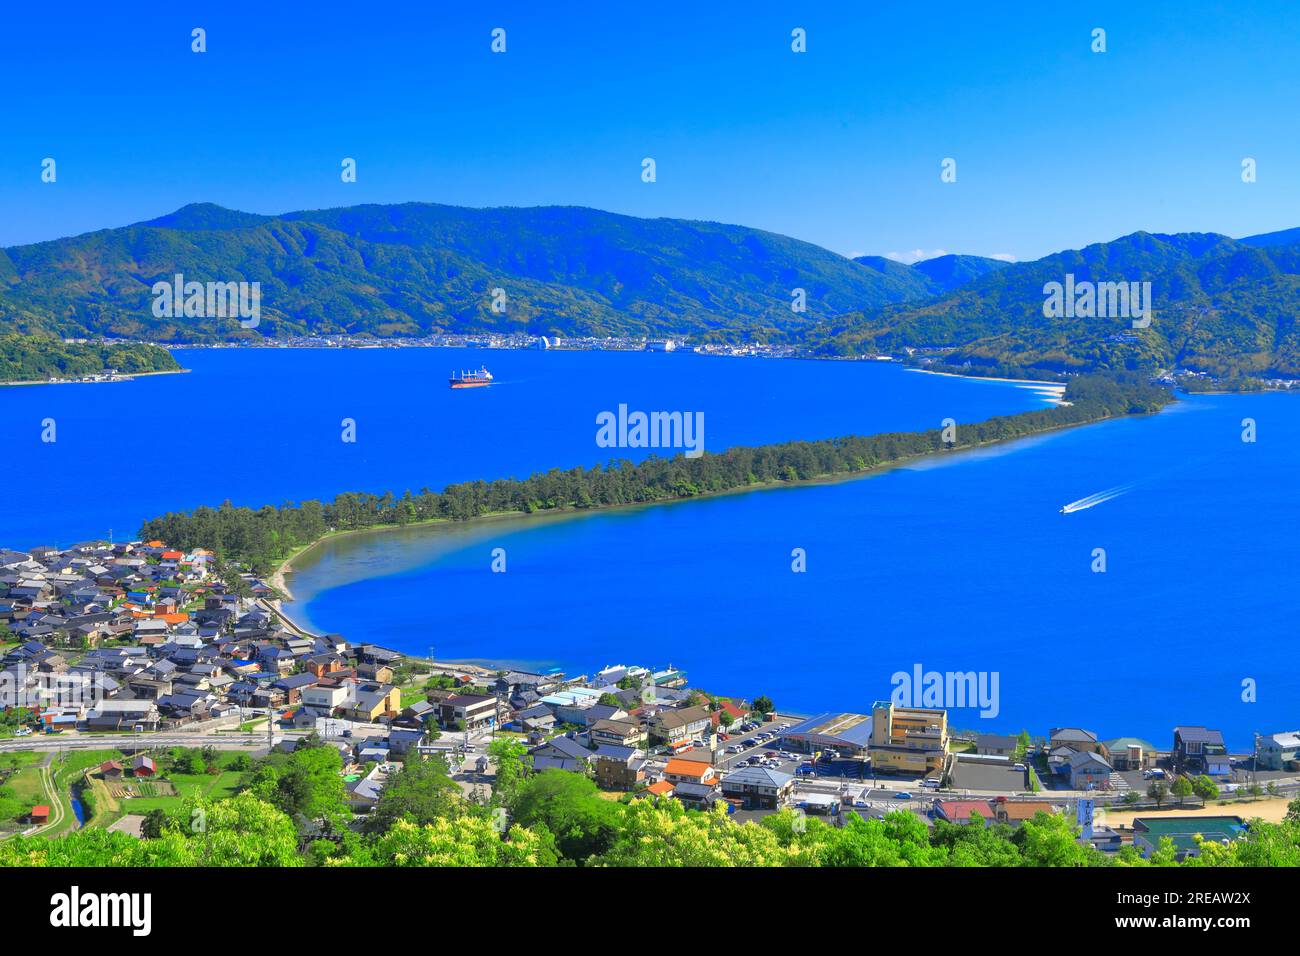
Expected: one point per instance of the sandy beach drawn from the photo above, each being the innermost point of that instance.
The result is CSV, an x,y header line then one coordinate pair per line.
x,y
124,377
1054,392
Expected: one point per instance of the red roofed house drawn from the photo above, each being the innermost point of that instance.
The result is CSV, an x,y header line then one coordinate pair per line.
x,y
143,767
661,789
959,811
39,815
737,714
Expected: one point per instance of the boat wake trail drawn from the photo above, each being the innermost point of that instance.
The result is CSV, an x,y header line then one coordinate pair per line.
x,y
1093,500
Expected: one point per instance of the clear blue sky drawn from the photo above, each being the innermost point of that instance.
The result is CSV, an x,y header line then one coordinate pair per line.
x,y
1056,146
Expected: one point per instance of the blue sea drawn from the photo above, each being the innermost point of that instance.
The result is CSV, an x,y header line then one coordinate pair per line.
x,y
961,564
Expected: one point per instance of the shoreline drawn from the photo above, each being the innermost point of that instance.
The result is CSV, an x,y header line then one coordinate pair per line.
x,y
276,578
988,378
127,377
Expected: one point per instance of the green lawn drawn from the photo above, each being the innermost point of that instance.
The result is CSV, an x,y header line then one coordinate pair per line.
x,y
23,758
26,784
215,786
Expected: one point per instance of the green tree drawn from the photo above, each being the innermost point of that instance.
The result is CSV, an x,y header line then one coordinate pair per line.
x,y
508,756
1051,840
308,784
420,792
1205,788
570,807
1023,743
663,833
459,841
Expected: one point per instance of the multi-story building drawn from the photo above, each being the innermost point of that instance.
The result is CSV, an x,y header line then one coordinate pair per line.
x,y
468,711
1200,750
672,726
1278,751
908,739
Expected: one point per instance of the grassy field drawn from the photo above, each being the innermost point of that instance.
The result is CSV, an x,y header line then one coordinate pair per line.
x,y
26,784
154,795
21,759
28,790
412,695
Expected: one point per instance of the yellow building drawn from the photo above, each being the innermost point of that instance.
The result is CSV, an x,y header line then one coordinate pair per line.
x,y
374,701
908,739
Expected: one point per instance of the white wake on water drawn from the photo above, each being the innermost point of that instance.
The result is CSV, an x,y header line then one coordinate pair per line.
x,y
1093,500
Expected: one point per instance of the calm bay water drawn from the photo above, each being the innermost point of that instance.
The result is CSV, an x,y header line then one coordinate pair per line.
x,y
260,426
961,564
964,565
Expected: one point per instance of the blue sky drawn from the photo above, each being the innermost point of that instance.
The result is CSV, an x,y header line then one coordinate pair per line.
x,y
1056,146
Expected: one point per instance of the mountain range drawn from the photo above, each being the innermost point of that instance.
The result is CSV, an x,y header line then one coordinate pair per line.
x,y
1221,305
418,268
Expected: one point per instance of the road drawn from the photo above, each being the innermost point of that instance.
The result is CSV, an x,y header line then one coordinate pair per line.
x,y
41,743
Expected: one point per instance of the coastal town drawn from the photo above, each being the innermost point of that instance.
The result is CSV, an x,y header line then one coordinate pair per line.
x,y
115,658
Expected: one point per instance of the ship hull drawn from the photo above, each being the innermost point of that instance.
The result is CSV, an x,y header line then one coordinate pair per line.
x,y
465,384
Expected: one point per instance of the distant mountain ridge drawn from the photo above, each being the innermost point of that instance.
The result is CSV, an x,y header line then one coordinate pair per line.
x,y
420,268
1221,305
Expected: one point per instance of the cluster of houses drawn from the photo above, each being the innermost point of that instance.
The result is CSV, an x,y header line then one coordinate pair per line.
x,y
141,637
1092,764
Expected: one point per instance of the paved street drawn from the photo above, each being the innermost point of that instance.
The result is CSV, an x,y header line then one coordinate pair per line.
x,y
67,741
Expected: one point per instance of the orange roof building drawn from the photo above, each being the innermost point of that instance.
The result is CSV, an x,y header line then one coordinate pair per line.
x,y
680,770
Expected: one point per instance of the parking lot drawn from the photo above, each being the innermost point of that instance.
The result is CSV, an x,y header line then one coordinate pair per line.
x,y
782,758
